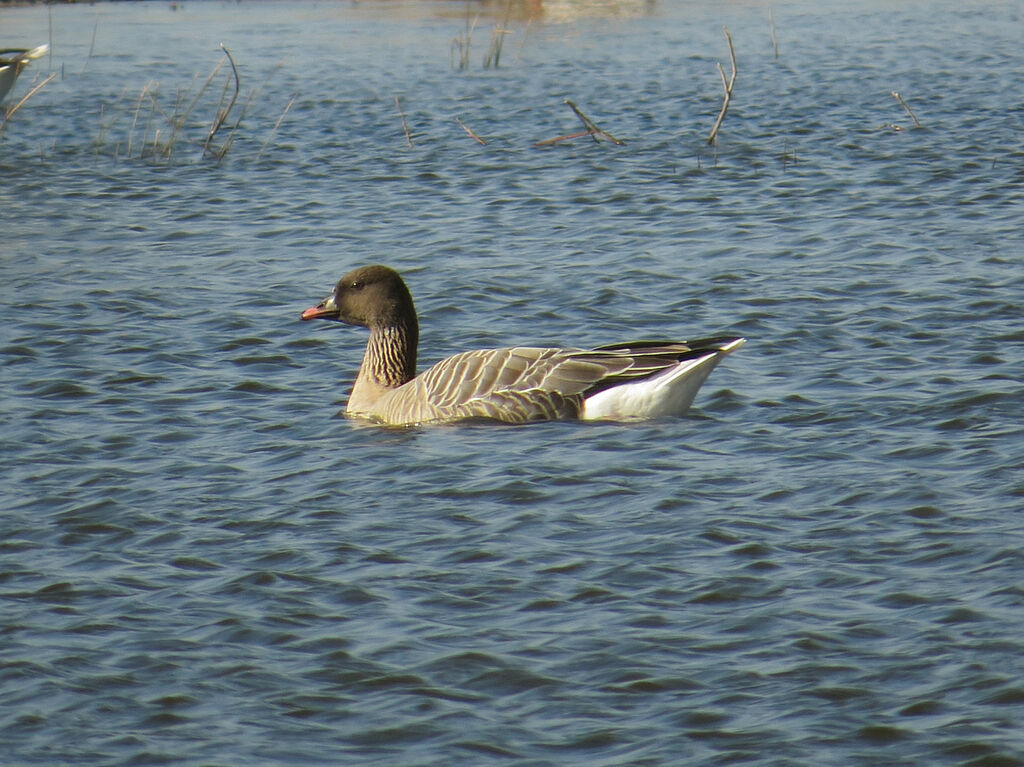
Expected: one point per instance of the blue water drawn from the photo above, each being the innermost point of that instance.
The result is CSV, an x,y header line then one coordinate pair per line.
x,y
821,564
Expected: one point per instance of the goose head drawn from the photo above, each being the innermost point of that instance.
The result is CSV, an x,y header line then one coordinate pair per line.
x,y
372,296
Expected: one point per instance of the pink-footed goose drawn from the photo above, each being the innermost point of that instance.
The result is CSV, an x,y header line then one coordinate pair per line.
x,y
12,61
644,379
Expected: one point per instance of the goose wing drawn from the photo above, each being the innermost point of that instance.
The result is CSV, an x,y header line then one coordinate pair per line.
x,y
515,385
522,384
11,62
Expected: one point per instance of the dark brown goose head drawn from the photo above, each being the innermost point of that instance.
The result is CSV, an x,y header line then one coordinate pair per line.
x,y
371,296
377,298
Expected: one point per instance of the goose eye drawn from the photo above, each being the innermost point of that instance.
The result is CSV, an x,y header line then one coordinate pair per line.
x,y
356,285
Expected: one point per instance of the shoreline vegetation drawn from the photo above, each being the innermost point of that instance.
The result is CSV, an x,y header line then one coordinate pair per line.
x,y
144,126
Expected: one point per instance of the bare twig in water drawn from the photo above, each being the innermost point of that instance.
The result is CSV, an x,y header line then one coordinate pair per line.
x,y
903,104
771,26
9,113
726,85
405,125
222,115
472,135
592,130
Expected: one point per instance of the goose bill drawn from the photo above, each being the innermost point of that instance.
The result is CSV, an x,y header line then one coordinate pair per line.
x,y
325,310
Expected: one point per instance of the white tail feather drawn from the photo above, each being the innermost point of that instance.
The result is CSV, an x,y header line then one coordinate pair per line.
x,y
668,394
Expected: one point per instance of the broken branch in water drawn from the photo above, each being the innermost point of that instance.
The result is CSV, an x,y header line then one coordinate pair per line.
x,y
223,114
592,130
727,85
405,125
903,104
591,126
472,135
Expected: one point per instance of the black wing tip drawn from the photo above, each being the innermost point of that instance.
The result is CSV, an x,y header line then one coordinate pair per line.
x,y
700,345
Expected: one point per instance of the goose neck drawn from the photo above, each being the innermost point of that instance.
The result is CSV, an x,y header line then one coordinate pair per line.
x,y
390,358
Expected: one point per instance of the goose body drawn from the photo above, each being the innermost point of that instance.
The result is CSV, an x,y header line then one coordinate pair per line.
x,y
646,379
12,61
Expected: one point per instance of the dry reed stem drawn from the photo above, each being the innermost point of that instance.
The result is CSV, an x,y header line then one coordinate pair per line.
x,y
463,44
49,58
903,104
180,121
405,125
771,26
472,135
92,45
273,131
223,114
788,156
9,113
726,85
135,120
526,35
493,56
153,109
234,128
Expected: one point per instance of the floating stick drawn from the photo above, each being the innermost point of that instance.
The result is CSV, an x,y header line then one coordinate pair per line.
x,y
903,104
727,85
556,139
405,125
472,135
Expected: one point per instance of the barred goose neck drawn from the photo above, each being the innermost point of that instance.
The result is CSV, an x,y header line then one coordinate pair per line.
x,y
390,358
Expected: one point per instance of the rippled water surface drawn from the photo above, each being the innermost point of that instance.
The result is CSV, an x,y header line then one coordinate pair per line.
x,y
820,564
